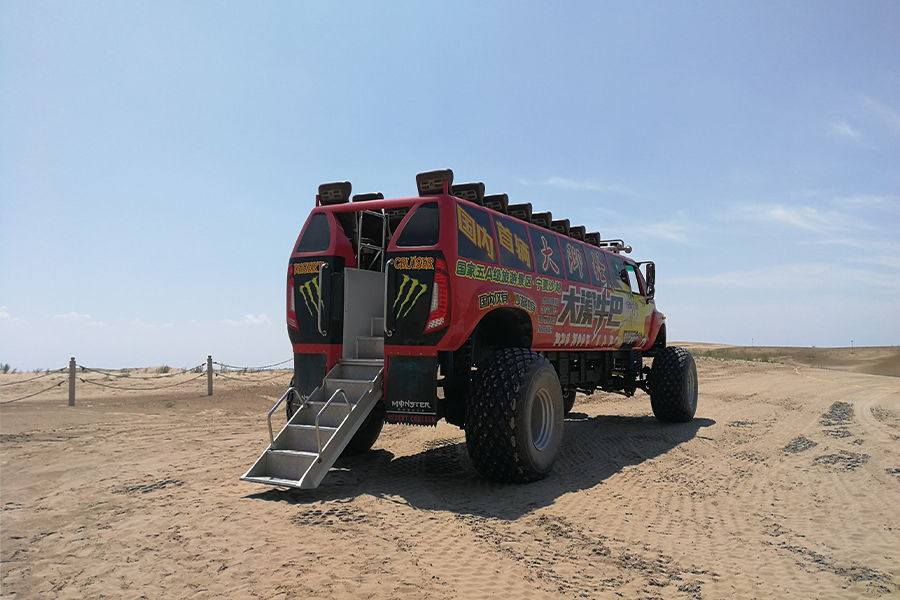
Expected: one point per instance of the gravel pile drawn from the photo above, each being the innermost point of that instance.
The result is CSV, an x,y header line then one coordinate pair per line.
x,y
848,461
840,413
799,445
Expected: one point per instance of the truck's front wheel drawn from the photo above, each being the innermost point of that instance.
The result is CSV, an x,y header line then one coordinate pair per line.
x,y
673,385
514,418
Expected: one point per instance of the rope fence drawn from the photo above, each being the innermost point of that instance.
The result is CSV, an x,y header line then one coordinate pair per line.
x,y
251,369
209,372
47,374
124,374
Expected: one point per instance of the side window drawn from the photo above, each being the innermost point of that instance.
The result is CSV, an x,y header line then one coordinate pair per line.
x,y
546,253
576,269
423,228
317,236
619,275
636,279
475,239
514,250
600,273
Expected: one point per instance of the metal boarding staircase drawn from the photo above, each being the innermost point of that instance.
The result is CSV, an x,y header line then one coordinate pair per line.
x,y
314,437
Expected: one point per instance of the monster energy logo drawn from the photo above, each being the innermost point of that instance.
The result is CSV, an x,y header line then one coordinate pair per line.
x,y
416,289
310,298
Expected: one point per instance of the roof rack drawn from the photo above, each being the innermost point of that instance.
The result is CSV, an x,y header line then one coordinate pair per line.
x,y
617,246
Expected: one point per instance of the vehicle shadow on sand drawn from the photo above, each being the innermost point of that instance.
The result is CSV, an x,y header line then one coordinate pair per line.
x,y
442,478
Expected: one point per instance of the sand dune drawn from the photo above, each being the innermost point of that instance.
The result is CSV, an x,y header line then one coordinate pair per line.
x,y
786,484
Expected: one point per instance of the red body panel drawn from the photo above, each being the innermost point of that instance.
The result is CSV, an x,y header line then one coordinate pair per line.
x,y
597,313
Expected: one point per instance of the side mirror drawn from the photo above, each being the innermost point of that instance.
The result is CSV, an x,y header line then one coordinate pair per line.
x,y
650,278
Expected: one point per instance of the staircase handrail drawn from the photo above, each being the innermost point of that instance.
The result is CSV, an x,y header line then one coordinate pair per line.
x,y
318,416
277,404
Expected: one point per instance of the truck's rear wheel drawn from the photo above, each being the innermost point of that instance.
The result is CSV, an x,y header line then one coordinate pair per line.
x,y
367,433
514,418
673,385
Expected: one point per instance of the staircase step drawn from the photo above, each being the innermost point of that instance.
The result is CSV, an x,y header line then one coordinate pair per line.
x,y
370,347
362,369
377,326
369,362
271,480
289,464
332,417
293,459
353,388
303,437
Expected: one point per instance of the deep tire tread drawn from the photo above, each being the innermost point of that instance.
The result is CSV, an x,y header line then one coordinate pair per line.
x,y
668,382
491,429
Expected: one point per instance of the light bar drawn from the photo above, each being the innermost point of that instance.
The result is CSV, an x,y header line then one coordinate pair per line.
x,y
432,183
334,193
497,202
542,219
520,211
593,238
369,196
473,192
560,226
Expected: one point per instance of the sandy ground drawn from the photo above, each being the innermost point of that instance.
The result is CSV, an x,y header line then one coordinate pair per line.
x,y
786,484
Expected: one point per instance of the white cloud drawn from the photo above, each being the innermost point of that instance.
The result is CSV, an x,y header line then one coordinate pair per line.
x,y
671,231
788,278
571,184
249,320
870,202
8,318
884,112
844,129
802,217
73,317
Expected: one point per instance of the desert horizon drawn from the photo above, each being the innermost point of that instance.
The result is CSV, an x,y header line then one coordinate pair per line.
x,y
785,484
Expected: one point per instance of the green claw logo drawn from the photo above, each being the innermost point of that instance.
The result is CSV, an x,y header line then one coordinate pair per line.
x,y
414,283
310,298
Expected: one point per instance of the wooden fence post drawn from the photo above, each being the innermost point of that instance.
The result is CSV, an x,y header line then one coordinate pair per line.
x,y
209,375
72,381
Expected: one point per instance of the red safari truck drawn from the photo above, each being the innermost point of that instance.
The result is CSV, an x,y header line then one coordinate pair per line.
x,y
457,305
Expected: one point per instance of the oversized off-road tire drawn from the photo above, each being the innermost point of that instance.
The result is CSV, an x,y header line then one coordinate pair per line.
x,y
514,417
673,385
569,400
367,433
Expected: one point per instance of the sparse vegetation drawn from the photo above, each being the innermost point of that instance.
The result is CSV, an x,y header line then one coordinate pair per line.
x,y
736,354
5,368
163,369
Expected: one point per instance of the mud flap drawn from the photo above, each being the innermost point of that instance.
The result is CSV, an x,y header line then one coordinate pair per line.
x,y
411,390
309,371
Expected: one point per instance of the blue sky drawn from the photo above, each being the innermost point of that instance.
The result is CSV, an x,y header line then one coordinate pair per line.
x,y
158,159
